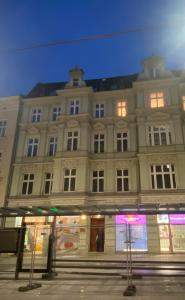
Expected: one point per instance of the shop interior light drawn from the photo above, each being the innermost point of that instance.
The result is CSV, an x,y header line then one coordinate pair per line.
x,y
83,217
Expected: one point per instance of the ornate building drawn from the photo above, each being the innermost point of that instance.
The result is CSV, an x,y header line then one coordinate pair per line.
x,y
106,141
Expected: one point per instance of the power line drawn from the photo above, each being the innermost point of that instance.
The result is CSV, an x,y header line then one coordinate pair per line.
x,y
88,38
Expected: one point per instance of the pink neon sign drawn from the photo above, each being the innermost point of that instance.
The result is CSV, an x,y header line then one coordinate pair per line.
x,y
130,219
177,219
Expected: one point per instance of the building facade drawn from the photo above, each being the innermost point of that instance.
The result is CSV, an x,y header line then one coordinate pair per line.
x,y
106,141
9,108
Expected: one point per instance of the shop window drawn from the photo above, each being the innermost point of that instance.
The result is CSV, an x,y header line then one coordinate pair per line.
x,y
183,102
122,181
36,115
122,141
98,181
69,180
27,185
99,143
56,112
74,107
121,109
52,146
48,182
159,135
33,144
163,177
157,100
72,140
3,126
99,110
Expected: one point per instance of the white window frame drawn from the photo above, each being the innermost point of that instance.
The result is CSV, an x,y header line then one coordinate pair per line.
x,y
73,138
122,139
52,143
27,181
100,140
70,177
36,114
98,178
99,110
74,107
121,108
56,113
162,173
32,145
123,177
157,99
48,180
3,127
159,130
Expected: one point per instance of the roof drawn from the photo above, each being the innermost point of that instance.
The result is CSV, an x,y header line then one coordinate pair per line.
x,y
98,85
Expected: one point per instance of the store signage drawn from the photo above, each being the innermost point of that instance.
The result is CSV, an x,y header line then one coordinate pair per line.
x,y
130,219
177,219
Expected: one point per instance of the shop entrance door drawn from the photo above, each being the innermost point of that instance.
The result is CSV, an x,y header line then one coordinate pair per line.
x,y
97,234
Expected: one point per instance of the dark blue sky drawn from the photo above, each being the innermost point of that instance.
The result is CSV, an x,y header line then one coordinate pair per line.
x,y
27,22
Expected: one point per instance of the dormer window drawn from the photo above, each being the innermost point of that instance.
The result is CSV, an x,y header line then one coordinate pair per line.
x,y
75,82
157,100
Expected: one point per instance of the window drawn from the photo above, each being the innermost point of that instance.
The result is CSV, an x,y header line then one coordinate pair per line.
x,y
69,180
121,109
98,143
183,102
156,100
52,146
74,107
27,186
159,135
122,141
3,125
56,112
98,181
75,82
36,115
33,144
48,181
1,155
100,110
72,140
163,177
122,181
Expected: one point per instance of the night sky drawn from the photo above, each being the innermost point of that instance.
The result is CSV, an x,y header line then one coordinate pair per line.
x,y
24,23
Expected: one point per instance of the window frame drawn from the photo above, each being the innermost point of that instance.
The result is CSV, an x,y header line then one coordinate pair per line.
x,y
121,108
100,142
56,114
36,116
123,178
72,142
32,146
70,180
98,179
157,98
28,183
162,129
74,108
155,176
122,139
54,143
48,181
3,127
99,110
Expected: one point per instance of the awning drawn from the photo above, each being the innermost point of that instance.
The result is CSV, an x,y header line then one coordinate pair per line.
x,y
62,210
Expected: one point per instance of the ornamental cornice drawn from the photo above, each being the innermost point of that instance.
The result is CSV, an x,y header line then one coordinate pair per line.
x,y
162,159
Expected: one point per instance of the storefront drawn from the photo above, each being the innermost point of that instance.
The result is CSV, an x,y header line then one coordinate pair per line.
x,y
138,232
172,232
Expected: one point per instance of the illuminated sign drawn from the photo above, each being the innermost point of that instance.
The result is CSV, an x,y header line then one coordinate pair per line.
x,y
177,219
130,219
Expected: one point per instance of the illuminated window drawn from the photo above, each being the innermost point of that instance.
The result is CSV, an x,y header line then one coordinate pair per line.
x,y
183,102
156,100
163,177
159,135
121,109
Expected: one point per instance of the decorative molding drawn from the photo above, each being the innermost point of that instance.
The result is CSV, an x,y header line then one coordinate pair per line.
x,y
98,126
121,124
158,116
33,130
73,123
